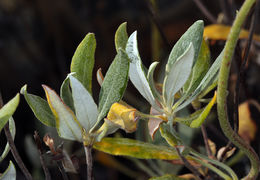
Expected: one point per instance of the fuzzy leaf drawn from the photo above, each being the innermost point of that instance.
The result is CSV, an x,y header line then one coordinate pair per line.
x,y
83,61
10,173
136,73
85,107
187,120
39,107
151,80
67,124
197,122
178,75
221,32
193,35
121,37
7,147
66,95
134,148
114,84
8,110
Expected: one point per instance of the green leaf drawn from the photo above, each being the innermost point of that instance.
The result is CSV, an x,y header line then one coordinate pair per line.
x,y
197,122
7,147
85,107
195,35
151,80
8,110
10,173
199,69
167,177
136,73
114,84
67,124
187,120
83,61
134,148
121,37
178,75
39,107
65,94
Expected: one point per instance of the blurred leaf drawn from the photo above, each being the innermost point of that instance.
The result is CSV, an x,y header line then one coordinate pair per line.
x,y
178,75
136,72
155,92
167,177
10,173
85,107
212,147
12,130
193,35
199,70
123,117
39,107
227,154
121,37
8,110
67,124
114,84
172,139
66,95
83,61
197,122
134,148
247,126
220,32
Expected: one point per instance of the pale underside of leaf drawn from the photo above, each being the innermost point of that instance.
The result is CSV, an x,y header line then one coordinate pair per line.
x,y
10,172
67,124
150,78
85,107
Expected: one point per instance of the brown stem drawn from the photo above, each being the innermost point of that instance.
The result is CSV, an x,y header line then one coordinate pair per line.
x,y
15,153
205,138
88,153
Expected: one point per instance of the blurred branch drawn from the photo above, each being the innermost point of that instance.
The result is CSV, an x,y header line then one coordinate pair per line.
x,y
205,11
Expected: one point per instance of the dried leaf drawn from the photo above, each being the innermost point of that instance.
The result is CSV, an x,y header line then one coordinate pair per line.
x,y
247,127
227,155
154,123
220,32
212,147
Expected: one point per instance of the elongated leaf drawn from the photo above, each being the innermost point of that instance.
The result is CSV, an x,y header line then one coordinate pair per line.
x,y
195,35
151,80
178,75
136,73
134,148
187,120
10,173
114,84
199,69
39,107
66,95
7,147
168,177
197,122
121,37
67,124
83,61
85,107
8,110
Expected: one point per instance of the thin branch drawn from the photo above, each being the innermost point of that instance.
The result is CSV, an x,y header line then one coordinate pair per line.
x,y
205,138
40,150
15,153
88,153
205,11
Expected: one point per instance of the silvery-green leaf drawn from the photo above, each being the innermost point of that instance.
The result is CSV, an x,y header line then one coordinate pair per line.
x,y
178,75
151,80
114,84
195,35
121,37
83,61
8,110
39,107
136,73
67,124
85,107
10,173
208,79
65,94
7,147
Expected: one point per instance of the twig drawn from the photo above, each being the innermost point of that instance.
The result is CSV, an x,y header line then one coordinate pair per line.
x,y
88,150
40,150
15,153
205,11
205,138
188,165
